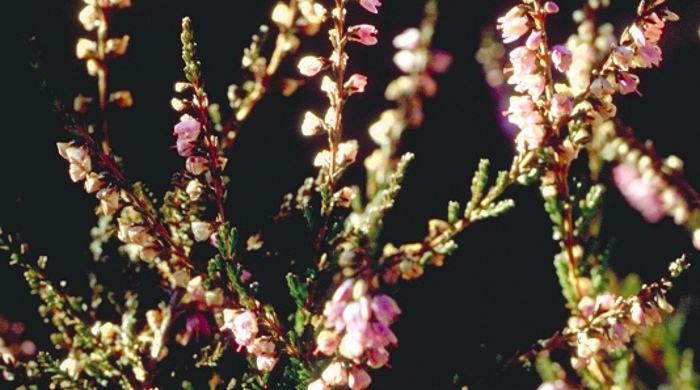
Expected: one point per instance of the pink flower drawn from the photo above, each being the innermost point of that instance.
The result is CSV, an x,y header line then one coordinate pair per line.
x,y
356,83
311,65
647,56
187,132
365,34
533,40
513,25
561,105
358,379
351,346
523,112
187,129
561,57
243,324
627,83
377,357
335,374
370,5
196,164
532,84
385,309
326,342
524,61
551,7
640,194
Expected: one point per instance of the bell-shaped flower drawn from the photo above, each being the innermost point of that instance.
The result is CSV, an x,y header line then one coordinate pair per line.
x,y
370,5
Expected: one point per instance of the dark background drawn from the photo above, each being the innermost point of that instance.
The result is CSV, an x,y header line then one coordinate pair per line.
x,y
497,294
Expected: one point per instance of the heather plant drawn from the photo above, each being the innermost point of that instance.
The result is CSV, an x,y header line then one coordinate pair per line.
x,y
193,307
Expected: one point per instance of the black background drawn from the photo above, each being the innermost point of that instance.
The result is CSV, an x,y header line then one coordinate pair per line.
x,y
497,294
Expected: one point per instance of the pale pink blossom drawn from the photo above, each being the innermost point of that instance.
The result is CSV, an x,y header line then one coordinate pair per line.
x,y
335,374
561,105
524,61
530,137
561,58
358,379
351,346
622,57
109,200
370,5
601,87
327,342
265,363
696,239
532,84
243,324
533,40
311,65
377,357
522,111
346,154
551,7
347,151
365,34
385,309
513,25
355,318
408,39
627,83
187,132
312,124
641,195
647,56
356,83
187,129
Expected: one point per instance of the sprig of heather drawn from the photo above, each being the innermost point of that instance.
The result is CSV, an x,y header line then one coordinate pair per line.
x,y
97,54
599,335
94,164
338,88
419,63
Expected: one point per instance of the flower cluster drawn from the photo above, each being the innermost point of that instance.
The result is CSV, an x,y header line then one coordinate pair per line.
x,y
355,333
